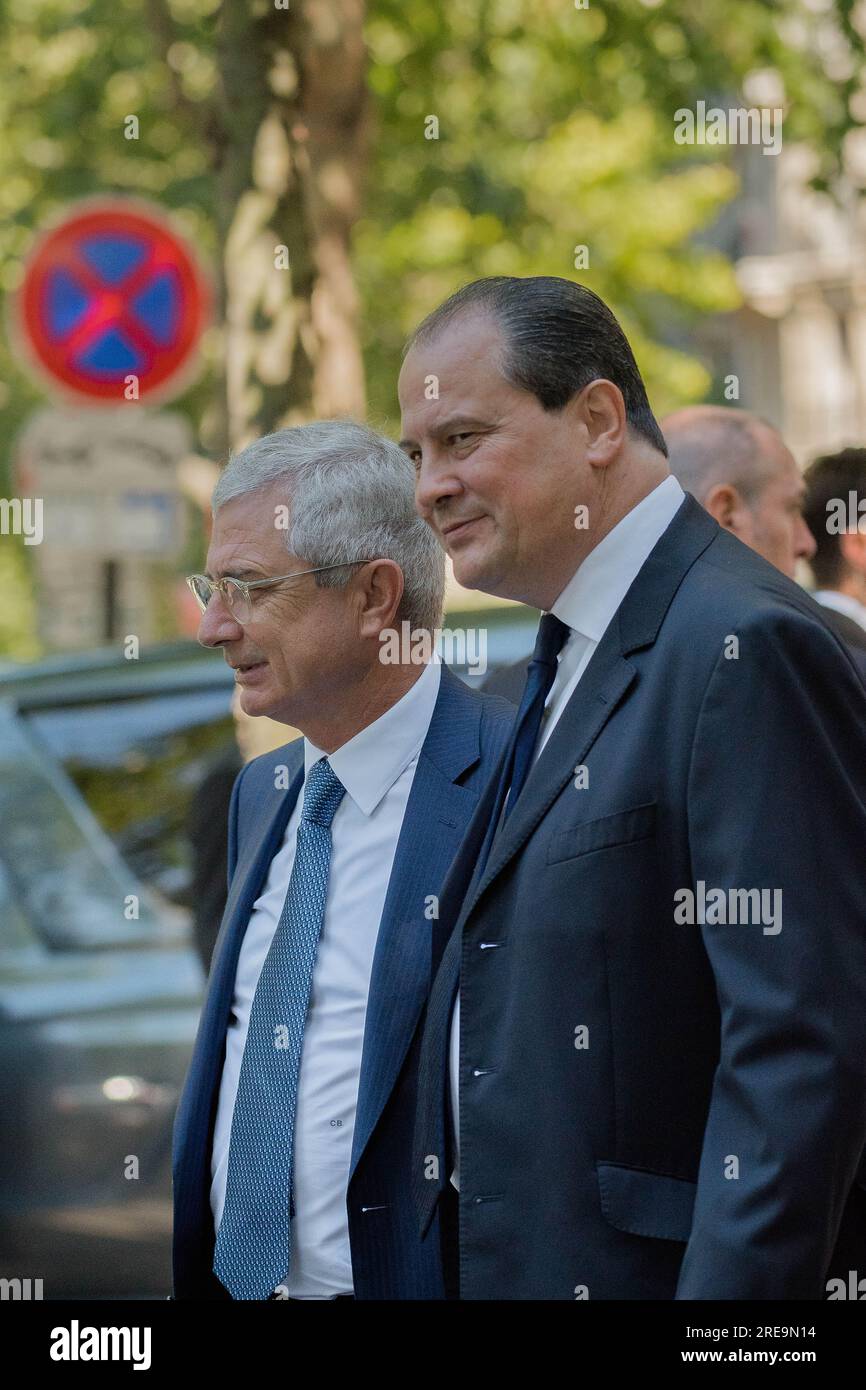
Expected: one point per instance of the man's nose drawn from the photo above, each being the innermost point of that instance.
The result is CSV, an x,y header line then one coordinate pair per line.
x,y
806,546
218,623
434,481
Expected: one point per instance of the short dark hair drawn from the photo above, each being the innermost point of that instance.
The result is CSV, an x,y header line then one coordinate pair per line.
x,y
559,337
829,477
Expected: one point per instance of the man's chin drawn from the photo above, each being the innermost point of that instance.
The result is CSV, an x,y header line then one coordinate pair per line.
x,y
259,704
257,701
472,573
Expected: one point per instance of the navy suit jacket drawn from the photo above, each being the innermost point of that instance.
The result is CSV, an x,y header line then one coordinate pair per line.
x,y
467,733
651,1109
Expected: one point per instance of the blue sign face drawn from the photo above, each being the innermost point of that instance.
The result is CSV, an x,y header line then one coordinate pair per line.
x,y
144,303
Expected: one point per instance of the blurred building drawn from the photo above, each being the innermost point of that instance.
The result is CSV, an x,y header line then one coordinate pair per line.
x,y
798,345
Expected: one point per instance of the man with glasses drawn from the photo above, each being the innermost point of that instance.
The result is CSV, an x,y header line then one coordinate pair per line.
x,y
293,1134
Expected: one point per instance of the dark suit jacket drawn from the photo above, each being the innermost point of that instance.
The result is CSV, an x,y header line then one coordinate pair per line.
x,y
508,681
851,633
207,832
466,736
603,1163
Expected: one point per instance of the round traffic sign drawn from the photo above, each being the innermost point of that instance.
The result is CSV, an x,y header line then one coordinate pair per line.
x,y
110,294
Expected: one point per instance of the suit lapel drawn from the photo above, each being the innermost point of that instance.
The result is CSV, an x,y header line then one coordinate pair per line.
x,y
262,838
599,691
409,942
466,867
261,841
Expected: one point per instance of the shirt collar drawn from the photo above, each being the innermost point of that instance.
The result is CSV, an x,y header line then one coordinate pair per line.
x,y
845,604
370,762
601,582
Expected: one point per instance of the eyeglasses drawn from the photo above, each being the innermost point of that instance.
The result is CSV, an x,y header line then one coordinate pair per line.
x,y
236,592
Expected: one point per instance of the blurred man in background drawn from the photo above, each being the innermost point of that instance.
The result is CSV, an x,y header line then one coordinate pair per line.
x,y
839,561
741,471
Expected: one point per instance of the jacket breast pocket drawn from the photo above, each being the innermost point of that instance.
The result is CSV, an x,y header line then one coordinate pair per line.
x,y
621,828
644,1203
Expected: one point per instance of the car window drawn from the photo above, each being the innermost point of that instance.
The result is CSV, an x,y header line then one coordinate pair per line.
x,y
59,870
15,929
138,764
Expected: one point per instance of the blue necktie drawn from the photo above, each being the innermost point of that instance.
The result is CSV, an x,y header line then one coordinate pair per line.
x,y
253,1244
540,675
552,635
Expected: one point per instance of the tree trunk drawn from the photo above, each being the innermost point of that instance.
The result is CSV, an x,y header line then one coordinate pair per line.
x,y
291,150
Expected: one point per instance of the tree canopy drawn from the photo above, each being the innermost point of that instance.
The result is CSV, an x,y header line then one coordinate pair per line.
x,y
478,137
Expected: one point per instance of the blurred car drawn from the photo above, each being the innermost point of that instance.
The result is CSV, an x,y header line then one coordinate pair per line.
x,y
100,987
100,983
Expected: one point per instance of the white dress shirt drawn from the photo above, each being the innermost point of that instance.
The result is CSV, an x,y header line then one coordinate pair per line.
x,y
842,603
377,768
587,604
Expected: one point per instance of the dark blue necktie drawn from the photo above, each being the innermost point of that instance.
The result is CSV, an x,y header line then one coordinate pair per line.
x,y
253,1244
552,635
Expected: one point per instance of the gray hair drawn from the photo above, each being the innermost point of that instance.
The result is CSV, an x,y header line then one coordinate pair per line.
x,y
350,494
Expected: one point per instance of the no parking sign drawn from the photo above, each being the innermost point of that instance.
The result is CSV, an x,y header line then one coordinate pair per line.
x,y
110,294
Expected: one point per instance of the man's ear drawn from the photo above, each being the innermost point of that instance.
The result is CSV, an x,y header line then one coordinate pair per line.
x,y
724,502
601,409
378,594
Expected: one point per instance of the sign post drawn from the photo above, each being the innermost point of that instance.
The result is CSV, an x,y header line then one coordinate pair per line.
x,y
112,511
108,316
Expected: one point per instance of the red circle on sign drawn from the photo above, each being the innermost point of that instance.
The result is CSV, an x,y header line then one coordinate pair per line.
x,y
111,292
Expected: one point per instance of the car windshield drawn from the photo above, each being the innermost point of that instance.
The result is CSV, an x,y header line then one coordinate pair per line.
x,y
61,871
139,764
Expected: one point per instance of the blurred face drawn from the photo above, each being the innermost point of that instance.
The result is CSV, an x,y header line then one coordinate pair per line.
x,y
301,641
774,524
497,476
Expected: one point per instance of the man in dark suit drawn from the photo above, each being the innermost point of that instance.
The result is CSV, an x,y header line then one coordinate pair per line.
x,y
643,1060
292,1140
